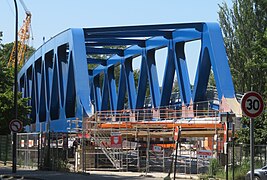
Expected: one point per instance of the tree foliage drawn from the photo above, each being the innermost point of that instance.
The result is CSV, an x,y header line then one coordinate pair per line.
x,y
7,112
244,29
1,34
6,51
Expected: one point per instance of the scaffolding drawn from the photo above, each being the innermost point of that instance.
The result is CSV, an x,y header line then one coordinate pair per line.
x,y
145,138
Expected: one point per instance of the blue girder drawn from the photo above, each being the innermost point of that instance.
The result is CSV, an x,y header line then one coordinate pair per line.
x,y
63,86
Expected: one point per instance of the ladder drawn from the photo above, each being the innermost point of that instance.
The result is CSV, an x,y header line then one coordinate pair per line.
x,y
113,154
102,140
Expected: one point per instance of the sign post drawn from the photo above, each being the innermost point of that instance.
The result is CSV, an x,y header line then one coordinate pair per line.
x,y
15,126
177,135
233,151
176,138
227,145
226,118
252,106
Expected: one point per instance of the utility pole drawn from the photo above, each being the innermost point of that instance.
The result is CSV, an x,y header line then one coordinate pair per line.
x,y
14,153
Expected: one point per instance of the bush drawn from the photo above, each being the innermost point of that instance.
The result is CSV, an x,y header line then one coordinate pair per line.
x,y
214,167
218,171
63,166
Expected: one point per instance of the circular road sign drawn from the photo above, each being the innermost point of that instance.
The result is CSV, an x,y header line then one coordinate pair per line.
x,y
176,134
15,125
252,104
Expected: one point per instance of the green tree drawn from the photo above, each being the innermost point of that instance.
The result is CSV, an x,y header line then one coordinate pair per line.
x,y
245,34
6,51
7,94
1,34
244,29
7,110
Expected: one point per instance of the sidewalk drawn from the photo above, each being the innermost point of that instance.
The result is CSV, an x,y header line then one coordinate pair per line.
x,y
6,173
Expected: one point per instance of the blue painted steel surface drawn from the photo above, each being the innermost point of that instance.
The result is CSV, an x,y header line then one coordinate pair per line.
x,y
63,85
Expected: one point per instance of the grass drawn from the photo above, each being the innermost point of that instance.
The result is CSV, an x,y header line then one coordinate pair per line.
x,y
218,172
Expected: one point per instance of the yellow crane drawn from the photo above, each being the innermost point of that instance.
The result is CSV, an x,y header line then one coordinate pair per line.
x,y
23,38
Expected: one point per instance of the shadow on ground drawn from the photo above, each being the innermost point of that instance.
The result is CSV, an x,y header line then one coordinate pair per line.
x,y
54,175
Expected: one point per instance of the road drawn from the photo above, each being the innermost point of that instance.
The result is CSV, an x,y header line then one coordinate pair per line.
x,y
5,173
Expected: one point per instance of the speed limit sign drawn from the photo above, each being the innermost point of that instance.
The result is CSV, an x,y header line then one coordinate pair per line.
x,y
252,104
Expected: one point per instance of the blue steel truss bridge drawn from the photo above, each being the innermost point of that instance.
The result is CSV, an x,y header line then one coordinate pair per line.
x,y
84,80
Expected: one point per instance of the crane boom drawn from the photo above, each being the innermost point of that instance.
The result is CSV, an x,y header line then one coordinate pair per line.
x,y
24,6
24,36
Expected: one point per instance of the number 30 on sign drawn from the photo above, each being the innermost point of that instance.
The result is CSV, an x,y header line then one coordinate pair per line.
x,y
252,104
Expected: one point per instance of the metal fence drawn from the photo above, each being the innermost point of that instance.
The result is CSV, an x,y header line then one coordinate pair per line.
x,y
27,150
58,151
5,149
242,154
42,150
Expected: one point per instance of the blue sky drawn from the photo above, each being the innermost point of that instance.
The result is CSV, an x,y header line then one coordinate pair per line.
x,y
49,17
